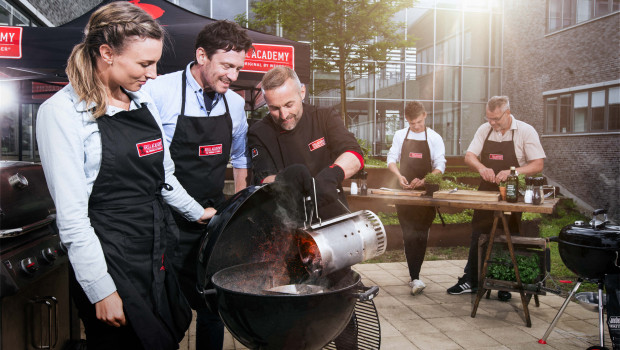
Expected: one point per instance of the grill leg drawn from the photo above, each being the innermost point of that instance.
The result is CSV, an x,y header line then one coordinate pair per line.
x,y
543,340
601,326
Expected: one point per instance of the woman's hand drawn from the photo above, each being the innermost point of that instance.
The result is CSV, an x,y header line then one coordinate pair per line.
x,y
110,310
206,215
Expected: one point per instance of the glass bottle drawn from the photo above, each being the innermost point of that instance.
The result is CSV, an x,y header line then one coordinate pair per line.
x,y
362,183
512,186
537,196
529,190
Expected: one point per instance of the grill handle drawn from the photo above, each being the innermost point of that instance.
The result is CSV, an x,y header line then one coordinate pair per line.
x,y
368,293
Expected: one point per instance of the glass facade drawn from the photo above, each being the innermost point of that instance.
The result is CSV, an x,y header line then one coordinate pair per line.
x,y
454,67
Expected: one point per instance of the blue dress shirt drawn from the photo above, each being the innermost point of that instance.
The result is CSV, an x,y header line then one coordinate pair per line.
x,y
166,91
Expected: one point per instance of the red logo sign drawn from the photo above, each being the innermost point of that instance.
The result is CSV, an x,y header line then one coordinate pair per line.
x,y
264,57
496,156
210,150
10,42
317,144
415,155
154,11
149,147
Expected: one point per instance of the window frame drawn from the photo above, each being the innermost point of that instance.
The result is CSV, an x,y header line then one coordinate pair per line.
x,y
554,102
570,19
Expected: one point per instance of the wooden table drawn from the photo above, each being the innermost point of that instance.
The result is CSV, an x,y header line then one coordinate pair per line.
x,y
500,209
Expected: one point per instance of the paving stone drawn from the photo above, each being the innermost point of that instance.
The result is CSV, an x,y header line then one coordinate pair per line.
x,y
449,324
398,342
472,338
433,341
509,335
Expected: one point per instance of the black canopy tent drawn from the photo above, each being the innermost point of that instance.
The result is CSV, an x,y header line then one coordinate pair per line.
x,y
44,51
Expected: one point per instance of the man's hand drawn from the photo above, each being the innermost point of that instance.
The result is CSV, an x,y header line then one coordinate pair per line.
x,y
206,215
327,182
487,174
502,176
110,310
298,177
403,182
415,183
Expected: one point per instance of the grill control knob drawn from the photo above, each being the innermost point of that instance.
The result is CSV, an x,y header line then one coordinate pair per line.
x,y
18,181
29,265
49,255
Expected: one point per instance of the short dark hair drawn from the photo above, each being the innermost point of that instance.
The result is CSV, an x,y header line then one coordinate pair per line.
x,y
413,110
223,35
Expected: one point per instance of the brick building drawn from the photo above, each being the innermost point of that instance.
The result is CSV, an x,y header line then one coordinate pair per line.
x,y
563,77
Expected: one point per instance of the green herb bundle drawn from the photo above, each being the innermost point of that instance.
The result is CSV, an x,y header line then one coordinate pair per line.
x,y
500,268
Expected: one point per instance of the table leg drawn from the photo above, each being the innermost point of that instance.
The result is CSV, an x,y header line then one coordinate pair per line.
x,y
524,300
483,275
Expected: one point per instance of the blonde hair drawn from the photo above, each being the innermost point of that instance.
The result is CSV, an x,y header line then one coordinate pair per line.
x,y
501,102
111,24
277,76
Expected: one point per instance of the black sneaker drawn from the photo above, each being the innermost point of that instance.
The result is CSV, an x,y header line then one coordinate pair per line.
x,y
503,296
463,286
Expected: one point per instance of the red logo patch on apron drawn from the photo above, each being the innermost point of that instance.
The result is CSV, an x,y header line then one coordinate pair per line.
x,y
149,147
254,152
415,155
210,150
496,156
317,144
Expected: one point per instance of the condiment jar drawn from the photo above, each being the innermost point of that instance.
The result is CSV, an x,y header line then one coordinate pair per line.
x,y
538,196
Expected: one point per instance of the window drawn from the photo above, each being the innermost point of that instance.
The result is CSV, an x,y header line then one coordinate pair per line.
x,y
566,13
593,110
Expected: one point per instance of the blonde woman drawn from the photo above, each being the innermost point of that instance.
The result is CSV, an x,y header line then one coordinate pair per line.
x,y
109,173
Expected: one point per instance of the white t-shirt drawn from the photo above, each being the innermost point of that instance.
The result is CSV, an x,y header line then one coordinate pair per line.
x,y
435,144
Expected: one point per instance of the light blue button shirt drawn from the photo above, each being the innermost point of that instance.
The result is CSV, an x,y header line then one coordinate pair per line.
x,y
70,149
166,91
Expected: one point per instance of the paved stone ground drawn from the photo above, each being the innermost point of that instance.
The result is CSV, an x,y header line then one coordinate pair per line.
x,y
437,320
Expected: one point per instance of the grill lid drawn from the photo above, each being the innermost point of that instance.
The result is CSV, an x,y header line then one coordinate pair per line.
x,y
254,225
24,197
600,234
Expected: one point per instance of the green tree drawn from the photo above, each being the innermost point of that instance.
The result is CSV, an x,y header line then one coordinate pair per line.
x,y
345,35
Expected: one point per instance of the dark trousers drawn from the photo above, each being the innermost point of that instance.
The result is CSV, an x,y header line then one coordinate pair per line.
x,y
415,222
209,330
481,223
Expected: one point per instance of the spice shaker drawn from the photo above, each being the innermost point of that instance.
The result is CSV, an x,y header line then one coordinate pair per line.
x,y
529,190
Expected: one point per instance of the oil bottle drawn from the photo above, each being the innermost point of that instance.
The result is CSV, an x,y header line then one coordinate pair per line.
x,y
512,186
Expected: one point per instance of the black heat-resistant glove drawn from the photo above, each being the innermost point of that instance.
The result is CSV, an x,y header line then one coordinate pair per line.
x,y
327,182
297,177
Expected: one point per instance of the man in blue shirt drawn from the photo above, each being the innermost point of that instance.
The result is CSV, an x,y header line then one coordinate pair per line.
x,y
205,125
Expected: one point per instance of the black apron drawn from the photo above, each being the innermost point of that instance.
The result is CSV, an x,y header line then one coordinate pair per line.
x,y
415,162
135,227
200,149
497,156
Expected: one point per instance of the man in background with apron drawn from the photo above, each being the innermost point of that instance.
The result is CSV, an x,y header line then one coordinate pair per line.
x,y
501,143
420,151
205,126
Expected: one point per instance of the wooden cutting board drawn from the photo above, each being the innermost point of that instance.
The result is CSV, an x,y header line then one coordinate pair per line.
x,y
468,195
412,193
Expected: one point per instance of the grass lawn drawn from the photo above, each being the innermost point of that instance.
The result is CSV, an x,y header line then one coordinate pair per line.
x,y
550,226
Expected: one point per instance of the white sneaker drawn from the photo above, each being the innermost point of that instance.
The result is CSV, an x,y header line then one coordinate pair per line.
x,y
416,286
